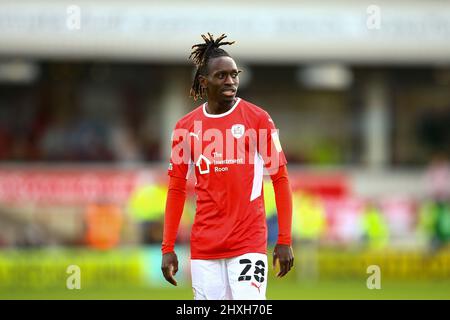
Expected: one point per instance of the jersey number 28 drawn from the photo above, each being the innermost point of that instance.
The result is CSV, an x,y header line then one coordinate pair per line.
x,y
259,270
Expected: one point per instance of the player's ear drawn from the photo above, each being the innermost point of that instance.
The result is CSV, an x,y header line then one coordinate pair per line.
x,y
203,81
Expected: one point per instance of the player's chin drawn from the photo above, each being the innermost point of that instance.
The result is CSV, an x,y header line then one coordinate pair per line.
x,y
228,98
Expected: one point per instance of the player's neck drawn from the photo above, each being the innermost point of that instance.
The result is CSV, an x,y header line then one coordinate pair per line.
x,y
215,107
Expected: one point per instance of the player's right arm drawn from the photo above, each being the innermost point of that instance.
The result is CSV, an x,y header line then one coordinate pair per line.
x,y
176,196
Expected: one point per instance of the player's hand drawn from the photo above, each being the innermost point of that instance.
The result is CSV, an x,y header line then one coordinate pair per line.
x,y
283,253
169,267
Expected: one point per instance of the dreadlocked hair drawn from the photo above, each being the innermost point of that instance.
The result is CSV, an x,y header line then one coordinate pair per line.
x,y
200,55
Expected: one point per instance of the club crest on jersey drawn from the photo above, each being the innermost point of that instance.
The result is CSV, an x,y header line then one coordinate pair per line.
x,y
237,130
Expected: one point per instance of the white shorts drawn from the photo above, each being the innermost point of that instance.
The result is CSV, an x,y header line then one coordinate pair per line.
x,y
238,278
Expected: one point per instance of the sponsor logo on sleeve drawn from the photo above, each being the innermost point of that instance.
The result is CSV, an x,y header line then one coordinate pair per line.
x,y
276,141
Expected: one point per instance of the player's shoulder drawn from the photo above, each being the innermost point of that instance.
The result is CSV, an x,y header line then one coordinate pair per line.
x,y
255,110
188,120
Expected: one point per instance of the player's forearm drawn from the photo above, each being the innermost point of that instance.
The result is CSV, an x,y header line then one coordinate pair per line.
x,y
283,199
176,197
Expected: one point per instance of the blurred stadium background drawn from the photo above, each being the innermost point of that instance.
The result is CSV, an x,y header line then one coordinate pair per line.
x,y
89,94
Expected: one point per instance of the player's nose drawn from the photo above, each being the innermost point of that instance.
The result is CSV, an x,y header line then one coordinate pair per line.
x,y
229,80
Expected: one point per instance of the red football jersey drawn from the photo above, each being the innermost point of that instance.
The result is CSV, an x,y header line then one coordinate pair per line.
x,y
228,153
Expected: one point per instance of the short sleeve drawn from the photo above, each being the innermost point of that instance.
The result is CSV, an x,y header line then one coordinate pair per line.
x,y
269,145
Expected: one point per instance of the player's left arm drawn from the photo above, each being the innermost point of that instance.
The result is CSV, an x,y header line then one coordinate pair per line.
x,y
283,198
275,163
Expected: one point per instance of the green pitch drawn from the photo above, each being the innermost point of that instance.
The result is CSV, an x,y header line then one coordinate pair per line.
x,y
278,289
134,273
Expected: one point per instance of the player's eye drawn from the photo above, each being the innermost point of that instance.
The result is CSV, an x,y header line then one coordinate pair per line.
x,y
234,74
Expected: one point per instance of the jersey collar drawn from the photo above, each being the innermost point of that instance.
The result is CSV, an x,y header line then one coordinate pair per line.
x,y
222,114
